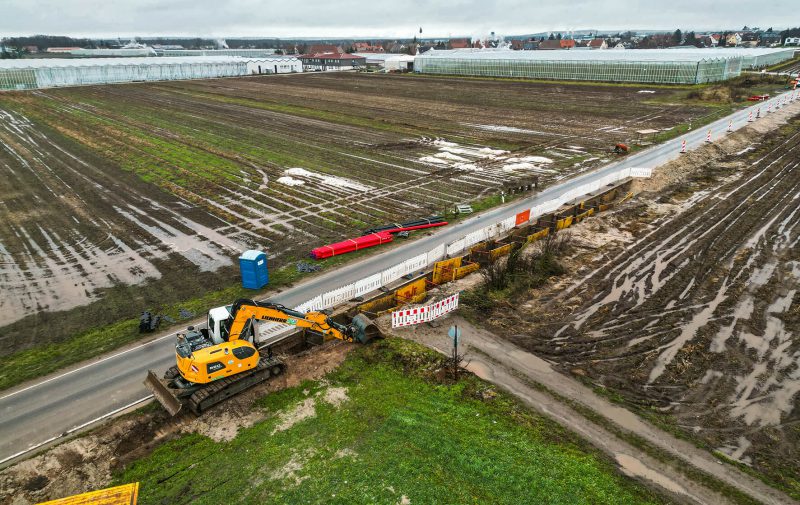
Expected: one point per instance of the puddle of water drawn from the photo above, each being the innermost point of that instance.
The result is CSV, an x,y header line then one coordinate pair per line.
x,y
632,467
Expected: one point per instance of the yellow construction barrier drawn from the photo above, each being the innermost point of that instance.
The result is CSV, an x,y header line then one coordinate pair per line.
x,y
379,304
564,223
538,235
412,293
465,270
583,215
500,251
444,271
120,495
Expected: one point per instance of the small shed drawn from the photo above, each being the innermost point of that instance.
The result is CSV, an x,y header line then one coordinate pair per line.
x,y
253,266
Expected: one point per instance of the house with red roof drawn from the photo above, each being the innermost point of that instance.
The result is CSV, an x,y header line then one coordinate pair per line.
x,y
598,44
326,62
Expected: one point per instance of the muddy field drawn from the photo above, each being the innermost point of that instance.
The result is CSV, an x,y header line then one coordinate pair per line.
x,y
686,304
162,185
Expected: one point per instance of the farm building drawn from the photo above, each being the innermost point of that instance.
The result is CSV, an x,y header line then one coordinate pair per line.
x,y
324,62
49,73
668,66
389,62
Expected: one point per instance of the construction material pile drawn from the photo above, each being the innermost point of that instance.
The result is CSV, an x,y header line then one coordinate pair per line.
x,y
375,236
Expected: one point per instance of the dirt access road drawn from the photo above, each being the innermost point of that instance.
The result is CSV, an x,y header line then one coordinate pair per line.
x,y
522,373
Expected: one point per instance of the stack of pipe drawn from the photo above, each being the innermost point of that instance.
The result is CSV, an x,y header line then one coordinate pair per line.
x,y
350,245
371,240
409,224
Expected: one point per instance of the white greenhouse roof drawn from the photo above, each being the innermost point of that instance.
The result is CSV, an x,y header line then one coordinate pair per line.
x,y
113,62
633,55
386,56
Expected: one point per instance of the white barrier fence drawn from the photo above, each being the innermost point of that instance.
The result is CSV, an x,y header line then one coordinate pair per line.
x,y
419,262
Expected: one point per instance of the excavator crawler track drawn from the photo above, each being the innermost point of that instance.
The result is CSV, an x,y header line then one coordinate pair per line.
x,y
222,389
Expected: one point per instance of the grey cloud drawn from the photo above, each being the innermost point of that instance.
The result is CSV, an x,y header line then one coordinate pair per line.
x,y
374,18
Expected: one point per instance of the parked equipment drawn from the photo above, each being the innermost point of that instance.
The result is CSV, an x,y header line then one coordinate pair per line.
x,y
218,361
621,149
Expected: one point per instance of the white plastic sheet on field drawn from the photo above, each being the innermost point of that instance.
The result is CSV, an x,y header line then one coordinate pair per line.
x,y
367,284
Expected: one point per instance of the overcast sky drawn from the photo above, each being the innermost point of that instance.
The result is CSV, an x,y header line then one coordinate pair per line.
x,y
378,18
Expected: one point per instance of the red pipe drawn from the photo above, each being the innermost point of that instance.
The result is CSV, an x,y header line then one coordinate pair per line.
x,y
371,240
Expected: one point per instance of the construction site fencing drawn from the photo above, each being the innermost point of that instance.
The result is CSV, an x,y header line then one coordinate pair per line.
x,y
442,251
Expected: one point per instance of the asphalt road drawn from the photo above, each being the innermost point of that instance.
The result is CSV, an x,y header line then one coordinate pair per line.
x,y
42,411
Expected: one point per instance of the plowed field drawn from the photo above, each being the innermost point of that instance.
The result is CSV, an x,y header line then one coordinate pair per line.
x,y
125,197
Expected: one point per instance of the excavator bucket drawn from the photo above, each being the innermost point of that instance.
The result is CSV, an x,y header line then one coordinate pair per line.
x,y
162,393
365,329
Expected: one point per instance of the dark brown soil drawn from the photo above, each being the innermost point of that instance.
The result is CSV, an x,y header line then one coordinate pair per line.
x,y
694,323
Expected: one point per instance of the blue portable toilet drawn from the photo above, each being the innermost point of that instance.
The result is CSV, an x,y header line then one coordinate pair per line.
x,y
253,265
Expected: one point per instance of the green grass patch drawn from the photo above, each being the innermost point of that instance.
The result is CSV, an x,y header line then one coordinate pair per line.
x,y
398,433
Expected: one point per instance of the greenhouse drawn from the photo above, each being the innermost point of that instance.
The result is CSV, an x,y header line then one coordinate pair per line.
x,y
249,53
49,73
662,66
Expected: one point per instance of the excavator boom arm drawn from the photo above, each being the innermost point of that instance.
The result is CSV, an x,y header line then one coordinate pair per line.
x,y
243,311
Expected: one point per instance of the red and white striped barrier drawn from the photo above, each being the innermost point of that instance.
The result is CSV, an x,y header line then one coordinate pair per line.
x,y
769,107
708,137
408,317
683,146
750,117
730,126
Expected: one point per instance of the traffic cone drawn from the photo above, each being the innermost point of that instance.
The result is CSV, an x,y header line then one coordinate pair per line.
x,y
750,117
730,126
708,137
683,146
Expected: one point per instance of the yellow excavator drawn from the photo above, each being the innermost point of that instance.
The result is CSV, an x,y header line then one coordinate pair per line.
x,y
218,361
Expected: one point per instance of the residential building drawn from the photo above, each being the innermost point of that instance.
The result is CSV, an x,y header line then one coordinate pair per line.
x,y
324,48
769,38
324,62
367,47
459,44
598,44
792,41
557,44
734,39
